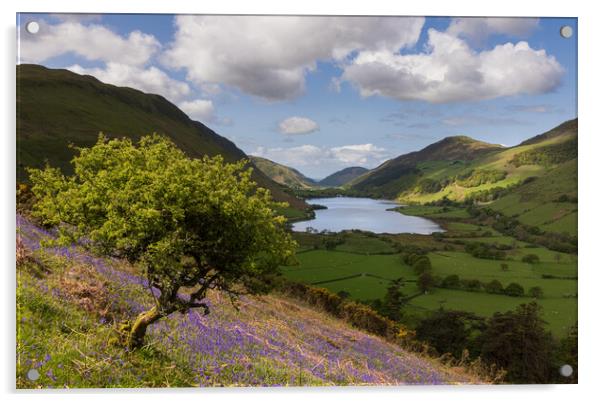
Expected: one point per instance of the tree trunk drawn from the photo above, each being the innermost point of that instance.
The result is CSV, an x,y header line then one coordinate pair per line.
x,y
138,331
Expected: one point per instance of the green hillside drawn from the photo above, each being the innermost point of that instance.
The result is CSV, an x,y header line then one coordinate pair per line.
x,y
406,172
342,177
57,107
283,174
534,182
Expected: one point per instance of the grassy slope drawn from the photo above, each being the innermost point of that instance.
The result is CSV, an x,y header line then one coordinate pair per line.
x,y
283,174
536,203
56,108
67,302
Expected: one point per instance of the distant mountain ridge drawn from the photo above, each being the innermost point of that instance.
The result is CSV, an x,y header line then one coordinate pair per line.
x,y
342,177
534,181
284,175
396,174
57,107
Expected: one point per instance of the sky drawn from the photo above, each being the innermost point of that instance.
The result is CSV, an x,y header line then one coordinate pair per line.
x,y
323,93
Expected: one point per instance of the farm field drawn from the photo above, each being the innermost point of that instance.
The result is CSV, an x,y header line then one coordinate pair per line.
x,y
354,267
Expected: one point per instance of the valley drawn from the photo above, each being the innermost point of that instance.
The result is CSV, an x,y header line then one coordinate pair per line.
x,y
461,227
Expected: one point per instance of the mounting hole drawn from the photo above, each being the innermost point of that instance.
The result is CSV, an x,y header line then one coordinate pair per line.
x,y
33,375
32,27
566,370
566,31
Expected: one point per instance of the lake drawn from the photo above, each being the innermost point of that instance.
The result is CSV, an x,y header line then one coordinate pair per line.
x,y
345,213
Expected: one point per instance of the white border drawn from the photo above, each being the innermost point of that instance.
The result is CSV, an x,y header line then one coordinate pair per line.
x,y
589,179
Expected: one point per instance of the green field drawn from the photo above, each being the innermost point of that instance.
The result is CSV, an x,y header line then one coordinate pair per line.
x,y
356,267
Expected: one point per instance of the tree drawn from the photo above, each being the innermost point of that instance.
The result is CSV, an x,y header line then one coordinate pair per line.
x,y
451,282
422,265
535,292
472,285
191,224
494,286
514,289
394,300
518,342
531,259
450,331
568,354
425,282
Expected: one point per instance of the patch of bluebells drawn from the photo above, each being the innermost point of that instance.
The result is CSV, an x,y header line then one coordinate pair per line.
x,y
233,347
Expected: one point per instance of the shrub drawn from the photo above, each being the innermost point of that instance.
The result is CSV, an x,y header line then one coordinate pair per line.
x,y
425,282
531,259
472,285
536,292
451,282
422,265
449,331
514,290
494,287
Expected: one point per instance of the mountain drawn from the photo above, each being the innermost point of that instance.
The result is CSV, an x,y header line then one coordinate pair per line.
x,y
56,108
283,174
68,305
567,128
535,181
342,177
404,172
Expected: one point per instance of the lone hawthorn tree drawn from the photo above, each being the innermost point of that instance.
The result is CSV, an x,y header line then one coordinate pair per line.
x,y
191,224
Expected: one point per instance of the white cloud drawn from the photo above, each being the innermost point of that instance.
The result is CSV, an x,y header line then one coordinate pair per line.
x,y
304,156
269,56
364,154
151,79
199,109
92,42
477,29
451,71
298,125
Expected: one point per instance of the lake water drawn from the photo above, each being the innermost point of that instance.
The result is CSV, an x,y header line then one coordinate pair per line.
x,y
346,213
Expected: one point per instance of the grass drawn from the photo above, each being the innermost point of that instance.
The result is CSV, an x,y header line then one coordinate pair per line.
x,y
321,265
348,269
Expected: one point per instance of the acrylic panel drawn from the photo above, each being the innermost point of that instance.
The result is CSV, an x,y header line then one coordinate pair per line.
x,y
254,201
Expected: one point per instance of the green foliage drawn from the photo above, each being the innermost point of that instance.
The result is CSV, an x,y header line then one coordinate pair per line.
x,y
425,282
535,292
547,155
517,341
568,354
427,186
477,177
484,250
451,282
394,300
190,223
471,285
494,287
515,290
450,331
530,259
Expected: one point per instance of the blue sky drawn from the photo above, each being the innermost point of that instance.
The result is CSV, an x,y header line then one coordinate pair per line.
x,y
320,94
